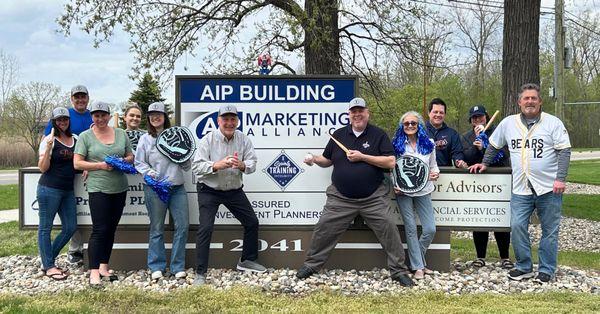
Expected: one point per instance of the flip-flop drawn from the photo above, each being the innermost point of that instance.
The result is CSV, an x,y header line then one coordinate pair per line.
x,y
480,262
507,264
110,277
57,276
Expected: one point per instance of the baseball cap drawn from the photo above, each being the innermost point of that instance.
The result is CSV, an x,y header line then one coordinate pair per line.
x,y
79,89
357,102
99,106
156,107
477,110
227,109
60,112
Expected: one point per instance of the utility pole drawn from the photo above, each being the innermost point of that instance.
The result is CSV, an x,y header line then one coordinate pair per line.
x,y
559,59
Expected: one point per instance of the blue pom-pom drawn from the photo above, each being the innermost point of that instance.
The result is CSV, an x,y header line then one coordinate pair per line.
x,y
485,142
424,144
120,164
162,187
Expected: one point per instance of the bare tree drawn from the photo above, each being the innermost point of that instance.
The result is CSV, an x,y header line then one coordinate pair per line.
x,y
520,52
27,110
332,36
584,41
9,72
478,27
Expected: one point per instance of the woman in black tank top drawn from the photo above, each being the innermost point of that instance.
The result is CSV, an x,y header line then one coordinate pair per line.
x,y
55,191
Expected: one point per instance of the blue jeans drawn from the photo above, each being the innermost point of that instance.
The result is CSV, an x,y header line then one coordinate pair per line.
x,y
157,210
417,247
549,208
52,201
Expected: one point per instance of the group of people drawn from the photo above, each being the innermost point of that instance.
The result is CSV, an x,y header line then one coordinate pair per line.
x,y
535,144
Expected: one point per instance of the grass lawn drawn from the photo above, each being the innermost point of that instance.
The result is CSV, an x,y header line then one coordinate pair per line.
x,y
465,250
582,206
9,196
585,171
245,300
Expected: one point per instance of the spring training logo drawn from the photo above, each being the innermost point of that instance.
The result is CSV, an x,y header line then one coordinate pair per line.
x,y
283,170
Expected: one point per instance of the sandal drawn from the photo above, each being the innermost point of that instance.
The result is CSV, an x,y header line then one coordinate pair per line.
x,y
507,264
480,262
57,276
110,277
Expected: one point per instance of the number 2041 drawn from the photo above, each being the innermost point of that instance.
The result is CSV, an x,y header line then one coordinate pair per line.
x,y
281,245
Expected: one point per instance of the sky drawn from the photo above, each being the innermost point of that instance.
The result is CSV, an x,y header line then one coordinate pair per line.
x,y
29,33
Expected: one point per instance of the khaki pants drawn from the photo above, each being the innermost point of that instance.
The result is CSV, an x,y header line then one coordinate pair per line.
x,y
339,211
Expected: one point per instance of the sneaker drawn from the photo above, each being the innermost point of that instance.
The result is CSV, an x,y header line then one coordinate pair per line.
x,y
156,275
427,271
200,280
304,272
543,278
180,274
251,266
419,274
518,275
75,258
403,280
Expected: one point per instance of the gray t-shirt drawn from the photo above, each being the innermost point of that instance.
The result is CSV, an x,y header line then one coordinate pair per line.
x,y
93,150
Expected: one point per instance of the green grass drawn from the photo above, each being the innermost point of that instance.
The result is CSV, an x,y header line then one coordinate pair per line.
x,y
464,249
246,300
15,241
585,149
582,206
9,196
585,171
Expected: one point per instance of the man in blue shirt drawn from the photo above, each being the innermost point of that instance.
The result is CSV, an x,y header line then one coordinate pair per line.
x,y
448,147
81,120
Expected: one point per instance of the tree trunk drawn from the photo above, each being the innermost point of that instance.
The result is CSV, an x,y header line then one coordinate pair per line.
x,y
520,53
322,43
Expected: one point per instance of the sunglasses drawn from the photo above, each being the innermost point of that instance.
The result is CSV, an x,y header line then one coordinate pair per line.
x,y
410,123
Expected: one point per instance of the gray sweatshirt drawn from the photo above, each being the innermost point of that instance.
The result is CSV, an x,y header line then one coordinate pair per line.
x,y
149,161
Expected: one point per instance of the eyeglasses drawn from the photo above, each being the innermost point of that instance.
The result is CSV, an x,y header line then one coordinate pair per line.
x,y
410,123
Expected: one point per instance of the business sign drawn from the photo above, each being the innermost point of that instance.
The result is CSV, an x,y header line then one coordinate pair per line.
x,y
285,118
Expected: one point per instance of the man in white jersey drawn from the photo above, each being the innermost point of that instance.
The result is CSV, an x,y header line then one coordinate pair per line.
x,y
539,152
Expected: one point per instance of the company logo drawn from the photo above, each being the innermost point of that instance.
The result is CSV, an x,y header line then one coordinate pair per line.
x,y
208,123
283,170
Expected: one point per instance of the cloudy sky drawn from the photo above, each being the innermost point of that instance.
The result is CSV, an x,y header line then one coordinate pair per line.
x,y
29,32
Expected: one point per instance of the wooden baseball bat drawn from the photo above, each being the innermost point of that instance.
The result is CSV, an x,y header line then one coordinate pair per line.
x,y
339,144
491,120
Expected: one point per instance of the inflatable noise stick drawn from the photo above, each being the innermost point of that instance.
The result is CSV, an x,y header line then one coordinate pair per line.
x,y
339,144
116,120
491,120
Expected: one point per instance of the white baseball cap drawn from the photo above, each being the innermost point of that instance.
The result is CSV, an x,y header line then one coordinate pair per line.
x,y
156,107
100,106
60,112
357,102
227,109
79,89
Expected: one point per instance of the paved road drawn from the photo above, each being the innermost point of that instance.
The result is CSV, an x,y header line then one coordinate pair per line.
x,y
585,155
9,177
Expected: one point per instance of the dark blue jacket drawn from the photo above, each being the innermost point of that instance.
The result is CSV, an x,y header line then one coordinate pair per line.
x,y
447,144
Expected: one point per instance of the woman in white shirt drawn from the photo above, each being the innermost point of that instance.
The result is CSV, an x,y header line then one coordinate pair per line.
x,y
411,140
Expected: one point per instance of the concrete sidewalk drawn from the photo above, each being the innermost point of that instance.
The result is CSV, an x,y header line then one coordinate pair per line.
x,y
9,215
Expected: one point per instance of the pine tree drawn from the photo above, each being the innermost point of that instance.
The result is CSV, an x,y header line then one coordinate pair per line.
x,y
148,91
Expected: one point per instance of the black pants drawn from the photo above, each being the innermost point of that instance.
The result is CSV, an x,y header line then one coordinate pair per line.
x,y
236,201
481,241
106,211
